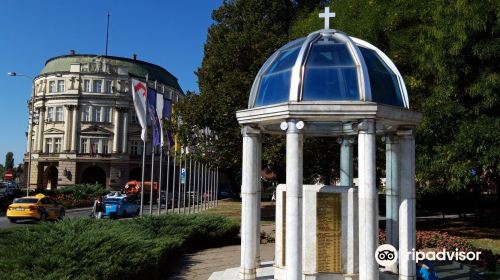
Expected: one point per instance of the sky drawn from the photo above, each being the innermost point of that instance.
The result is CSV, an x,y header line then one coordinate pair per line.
x,y
167,33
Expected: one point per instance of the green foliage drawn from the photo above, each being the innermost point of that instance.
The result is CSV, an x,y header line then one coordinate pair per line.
x,y
80,195
9,160
446,51
106,249
244,35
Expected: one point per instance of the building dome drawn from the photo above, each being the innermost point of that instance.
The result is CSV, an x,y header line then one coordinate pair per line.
x,y
328,65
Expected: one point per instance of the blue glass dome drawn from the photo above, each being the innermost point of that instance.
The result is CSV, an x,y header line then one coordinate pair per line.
x,y
328,65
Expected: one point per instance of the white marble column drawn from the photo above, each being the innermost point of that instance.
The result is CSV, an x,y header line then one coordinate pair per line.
x,y
116,130
249,186
392,190
39,135
294,186
125,132
368,226
74,129
346,180
67,123
407,204
258,210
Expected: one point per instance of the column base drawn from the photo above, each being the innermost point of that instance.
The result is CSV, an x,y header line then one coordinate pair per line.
x,y
248,274
404,277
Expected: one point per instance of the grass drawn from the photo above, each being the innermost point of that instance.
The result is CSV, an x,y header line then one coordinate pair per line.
x,y
486,243
83,248
232,209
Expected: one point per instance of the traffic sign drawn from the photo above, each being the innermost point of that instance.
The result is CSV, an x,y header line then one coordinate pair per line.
x,y
183,175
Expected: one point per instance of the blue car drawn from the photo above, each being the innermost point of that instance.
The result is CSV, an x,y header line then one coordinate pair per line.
x,y
117,207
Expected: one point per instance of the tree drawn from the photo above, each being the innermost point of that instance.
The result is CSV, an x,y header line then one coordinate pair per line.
x,y
244,35
447,53
9,160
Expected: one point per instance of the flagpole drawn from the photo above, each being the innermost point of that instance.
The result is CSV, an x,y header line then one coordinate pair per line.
x,y
217,190
173,184
180,172
205,187
168,179
142,181
184,185
160,181
152,180
197,186
144,154
189,186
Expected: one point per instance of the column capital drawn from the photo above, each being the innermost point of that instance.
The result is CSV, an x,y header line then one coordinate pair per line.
x,y
391,138
346,140
366,126
250,131
41,108
406,133
70,107
293,126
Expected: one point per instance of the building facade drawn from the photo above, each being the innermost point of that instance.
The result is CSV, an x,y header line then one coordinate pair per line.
x,y
87,130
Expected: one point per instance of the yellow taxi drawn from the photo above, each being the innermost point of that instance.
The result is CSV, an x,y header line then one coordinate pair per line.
x,y
38,207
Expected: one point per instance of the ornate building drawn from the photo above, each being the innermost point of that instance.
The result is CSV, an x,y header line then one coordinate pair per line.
x,y
87,130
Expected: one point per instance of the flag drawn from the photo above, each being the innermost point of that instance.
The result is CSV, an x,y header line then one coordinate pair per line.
x,y
163,110
167,107
139,93
155,123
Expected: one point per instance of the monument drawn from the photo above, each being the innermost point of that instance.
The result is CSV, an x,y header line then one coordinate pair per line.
x,y
329,84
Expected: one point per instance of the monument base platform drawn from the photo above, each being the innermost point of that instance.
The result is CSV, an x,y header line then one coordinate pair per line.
x,y
266,271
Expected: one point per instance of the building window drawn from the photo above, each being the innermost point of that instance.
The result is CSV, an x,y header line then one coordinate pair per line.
x,y
104,144
107,114
50,114
86,85
133,118
85,113
97,114
59,114
108,87
60,86
94,146
52,86
84,146
53,145
48,145
96,86
57,145
135,147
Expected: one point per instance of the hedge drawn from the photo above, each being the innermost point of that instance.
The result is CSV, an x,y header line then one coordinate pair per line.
x,y
83,248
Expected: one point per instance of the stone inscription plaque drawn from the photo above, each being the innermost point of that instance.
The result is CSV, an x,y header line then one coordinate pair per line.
x,y
328,233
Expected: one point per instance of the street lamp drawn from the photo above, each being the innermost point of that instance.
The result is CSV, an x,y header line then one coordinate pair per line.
x,y
30,133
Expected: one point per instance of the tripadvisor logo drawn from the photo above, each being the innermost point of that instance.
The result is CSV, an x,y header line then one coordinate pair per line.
x,y
386,255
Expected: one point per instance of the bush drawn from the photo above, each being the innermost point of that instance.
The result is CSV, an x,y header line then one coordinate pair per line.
x,y
138,248
74,196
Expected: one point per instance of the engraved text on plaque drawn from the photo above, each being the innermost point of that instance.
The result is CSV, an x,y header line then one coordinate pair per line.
x,y
328,233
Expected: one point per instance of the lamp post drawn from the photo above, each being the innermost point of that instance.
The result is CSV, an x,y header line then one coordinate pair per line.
x,y
30,133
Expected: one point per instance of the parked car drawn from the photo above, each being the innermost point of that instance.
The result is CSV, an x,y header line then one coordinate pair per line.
x,y
120,206
163,198
38,207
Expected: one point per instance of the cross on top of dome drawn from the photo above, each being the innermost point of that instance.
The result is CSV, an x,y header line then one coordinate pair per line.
x,y
327,15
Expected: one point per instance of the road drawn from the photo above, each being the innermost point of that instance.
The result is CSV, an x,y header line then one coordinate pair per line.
x,y
72,213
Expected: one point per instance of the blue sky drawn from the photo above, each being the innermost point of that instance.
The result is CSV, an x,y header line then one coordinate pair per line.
x,y
167,33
